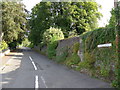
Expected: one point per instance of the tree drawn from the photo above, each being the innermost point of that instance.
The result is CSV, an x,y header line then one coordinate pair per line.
x,y
78,16
39,22
13,22
52,34
69,16
112,21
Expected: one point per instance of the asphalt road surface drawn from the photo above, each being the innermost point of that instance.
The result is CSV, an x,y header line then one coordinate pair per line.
x,y
29,69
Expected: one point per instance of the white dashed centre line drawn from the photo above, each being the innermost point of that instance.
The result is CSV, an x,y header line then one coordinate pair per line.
x,y
36,77
36,82
33,63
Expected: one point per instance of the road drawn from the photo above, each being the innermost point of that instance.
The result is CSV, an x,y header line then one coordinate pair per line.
x,y
29,69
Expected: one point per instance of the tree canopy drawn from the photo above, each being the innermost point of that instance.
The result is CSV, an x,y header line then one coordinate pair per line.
x,y
114,17
13,21
52,34
69,16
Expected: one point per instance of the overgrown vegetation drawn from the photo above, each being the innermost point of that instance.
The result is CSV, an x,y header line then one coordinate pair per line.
x,y
52,34
3,45
100,61
73,18
63,54
51,49
14,22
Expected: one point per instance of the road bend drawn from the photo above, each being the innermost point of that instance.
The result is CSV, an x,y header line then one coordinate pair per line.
x,y
29,69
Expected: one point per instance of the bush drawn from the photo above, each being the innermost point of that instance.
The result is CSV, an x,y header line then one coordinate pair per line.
x,y
3,45
52,34
31,45
63,55
74,59
104,72
51,49
82,65
88,63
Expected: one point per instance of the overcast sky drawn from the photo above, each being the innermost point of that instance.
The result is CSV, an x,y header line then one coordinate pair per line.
x,y
107,5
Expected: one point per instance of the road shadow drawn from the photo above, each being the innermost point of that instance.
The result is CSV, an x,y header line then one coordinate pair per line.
x,y
15,78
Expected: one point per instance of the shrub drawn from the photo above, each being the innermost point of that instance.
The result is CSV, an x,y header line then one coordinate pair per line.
x,y
3,45
52,34
31,45
74,59
104,72
76,47
63,55
51,49
89,58
82,65
88,63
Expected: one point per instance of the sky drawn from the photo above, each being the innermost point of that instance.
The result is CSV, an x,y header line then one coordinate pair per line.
x,y
106,8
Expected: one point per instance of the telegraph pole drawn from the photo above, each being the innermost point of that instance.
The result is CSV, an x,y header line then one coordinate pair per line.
x,y
117,10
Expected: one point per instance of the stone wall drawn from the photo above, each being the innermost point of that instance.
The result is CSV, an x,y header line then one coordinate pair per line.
x,y
69,42
63,44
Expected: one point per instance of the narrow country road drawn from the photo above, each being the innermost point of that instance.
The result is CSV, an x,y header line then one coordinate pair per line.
x,y
29,69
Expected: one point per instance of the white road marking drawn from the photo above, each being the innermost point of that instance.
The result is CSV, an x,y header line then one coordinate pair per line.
x,y
44,82
36,82
33,63
36,77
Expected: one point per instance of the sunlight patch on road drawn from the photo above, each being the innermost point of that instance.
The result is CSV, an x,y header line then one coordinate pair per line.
x,y
12,64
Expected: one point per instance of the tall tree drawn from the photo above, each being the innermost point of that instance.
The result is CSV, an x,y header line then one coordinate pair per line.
x,y
69,16
39,21
13,22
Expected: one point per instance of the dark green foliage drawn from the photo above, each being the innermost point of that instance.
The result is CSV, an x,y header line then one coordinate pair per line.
x,y
31,45
41,45
112,21
51,49
39,22
12,45
13,22
100,61
69,16
96,37
117,28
